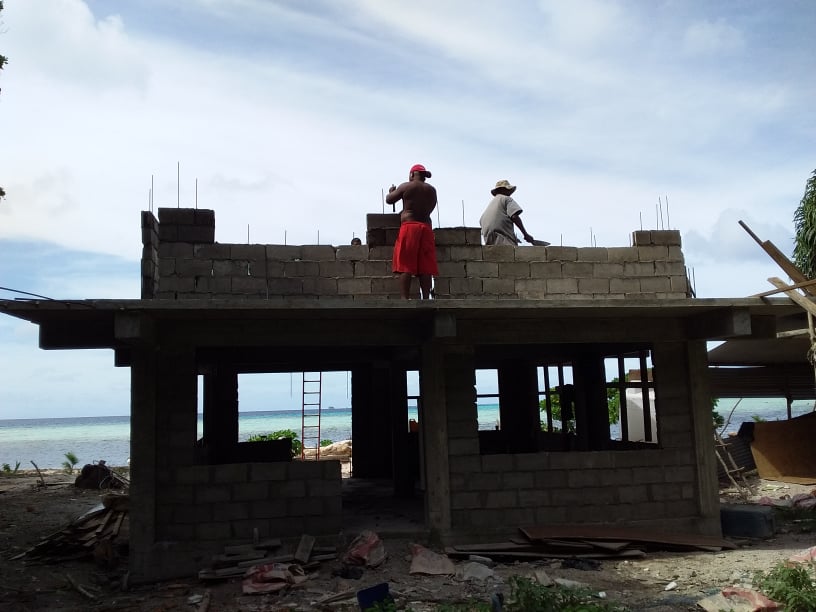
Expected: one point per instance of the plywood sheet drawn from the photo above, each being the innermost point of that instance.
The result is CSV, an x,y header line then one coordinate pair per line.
x,y
784,450
540,533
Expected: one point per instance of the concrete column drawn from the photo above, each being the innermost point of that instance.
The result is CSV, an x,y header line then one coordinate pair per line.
x,y
433,422
591,408
221,412
371,421
518,400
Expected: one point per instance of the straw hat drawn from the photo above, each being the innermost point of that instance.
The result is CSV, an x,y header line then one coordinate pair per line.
x,y
503,184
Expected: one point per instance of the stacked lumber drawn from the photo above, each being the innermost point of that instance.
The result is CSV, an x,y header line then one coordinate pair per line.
x,y
240,559
98,534
587,542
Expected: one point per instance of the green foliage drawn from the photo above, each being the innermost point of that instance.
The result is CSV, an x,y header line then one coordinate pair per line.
x,y
804,221
297,446
612,401
527,595
326,442
791,586
3,60
69,463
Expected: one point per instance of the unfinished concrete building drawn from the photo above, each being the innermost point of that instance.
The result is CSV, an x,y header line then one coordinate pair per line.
x,y
580,319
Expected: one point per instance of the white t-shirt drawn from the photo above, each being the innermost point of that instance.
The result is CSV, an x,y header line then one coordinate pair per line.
x,y
496,219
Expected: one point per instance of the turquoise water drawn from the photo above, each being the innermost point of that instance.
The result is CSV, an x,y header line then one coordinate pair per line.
x,y
45,441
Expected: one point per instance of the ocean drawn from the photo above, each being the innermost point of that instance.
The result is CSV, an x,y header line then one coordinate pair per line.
x,y
45,441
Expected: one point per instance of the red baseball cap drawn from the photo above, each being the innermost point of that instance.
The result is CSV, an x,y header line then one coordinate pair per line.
x,y
420,168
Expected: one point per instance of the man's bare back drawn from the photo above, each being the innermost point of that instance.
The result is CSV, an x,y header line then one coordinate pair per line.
x,y
418,200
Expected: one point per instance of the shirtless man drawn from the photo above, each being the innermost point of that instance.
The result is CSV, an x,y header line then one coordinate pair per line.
x,y
415,249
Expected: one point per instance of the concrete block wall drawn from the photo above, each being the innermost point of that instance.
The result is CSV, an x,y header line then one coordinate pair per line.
x,y
655,488
185,262
223,503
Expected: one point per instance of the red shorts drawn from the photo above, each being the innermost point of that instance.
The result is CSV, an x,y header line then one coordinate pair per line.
x,y
415,250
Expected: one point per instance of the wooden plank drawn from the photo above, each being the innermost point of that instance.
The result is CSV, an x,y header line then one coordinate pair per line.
x,y
794,286
632,534
794,295
304,549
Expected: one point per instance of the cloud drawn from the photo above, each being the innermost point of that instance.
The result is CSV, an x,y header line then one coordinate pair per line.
x,y
712,38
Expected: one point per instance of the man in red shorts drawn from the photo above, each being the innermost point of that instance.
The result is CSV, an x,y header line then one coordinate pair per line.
x,y
415,249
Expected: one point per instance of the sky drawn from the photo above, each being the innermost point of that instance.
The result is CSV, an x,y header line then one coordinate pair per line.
x,y
290,119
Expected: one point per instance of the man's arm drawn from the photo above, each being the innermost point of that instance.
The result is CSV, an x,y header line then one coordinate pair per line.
x,y
395,193
517,221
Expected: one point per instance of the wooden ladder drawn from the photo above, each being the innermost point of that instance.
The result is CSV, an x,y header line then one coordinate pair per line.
x,y
734,473
310,416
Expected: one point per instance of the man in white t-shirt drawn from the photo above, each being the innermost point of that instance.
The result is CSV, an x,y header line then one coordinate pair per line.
x,y
502,216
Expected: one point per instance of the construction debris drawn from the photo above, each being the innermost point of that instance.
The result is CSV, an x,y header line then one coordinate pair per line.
x,y
101,533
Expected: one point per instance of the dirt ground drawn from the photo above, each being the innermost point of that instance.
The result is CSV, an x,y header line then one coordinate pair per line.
x,y
30,511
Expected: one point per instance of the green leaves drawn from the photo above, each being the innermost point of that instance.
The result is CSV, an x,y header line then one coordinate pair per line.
x,y
804,221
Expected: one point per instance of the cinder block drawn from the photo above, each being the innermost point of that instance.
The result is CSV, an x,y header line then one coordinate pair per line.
x,y
655,283
211,251
669,268
679,283
267,471
283,252
577,269
452,269
250,491
549,269
318,252
593,254
501,499
499,286
230,512
518,480
375,220
204,216
247,251
301,269
268,508
451,236
336,269
231,472
518,269
249,285
638,269
207,494
285,286
465,286
210,284
641,238
562,285
529,253
368,269
381,253
502,252
562,253
177,216
213,531
593,285
352,252
653,253
179,250
466,253
465,500
482,269
666,237
533,498
320,286
193,267
389,286
168,233
622,254
354,286
196,233
607,270
177,284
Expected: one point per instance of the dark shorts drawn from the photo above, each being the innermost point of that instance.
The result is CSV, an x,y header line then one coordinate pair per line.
x,y
415,250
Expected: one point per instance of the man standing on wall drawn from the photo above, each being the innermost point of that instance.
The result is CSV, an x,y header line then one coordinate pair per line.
x,y
415,249
500,217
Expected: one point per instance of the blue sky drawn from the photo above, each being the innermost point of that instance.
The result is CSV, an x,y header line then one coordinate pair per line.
x,y
293,117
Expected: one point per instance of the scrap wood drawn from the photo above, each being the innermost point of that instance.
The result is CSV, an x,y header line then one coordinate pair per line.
x,y
335,597
629,553
636,535
304,548
81,589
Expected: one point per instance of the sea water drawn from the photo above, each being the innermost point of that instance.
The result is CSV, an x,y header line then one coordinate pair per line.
x,y
46,441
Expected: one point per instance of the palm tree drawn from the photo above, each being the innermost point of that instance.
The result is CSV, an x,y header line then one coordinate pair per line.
x,y
804,220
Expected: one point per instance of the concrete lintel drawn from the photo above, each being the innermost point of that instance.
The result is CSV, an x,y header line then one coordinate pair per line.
x,y
726,323
444,325
130,328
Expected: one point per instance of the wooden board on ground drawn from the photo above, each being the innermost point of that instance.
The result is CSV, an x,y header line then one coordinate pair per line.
x,y
657,539
784,450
